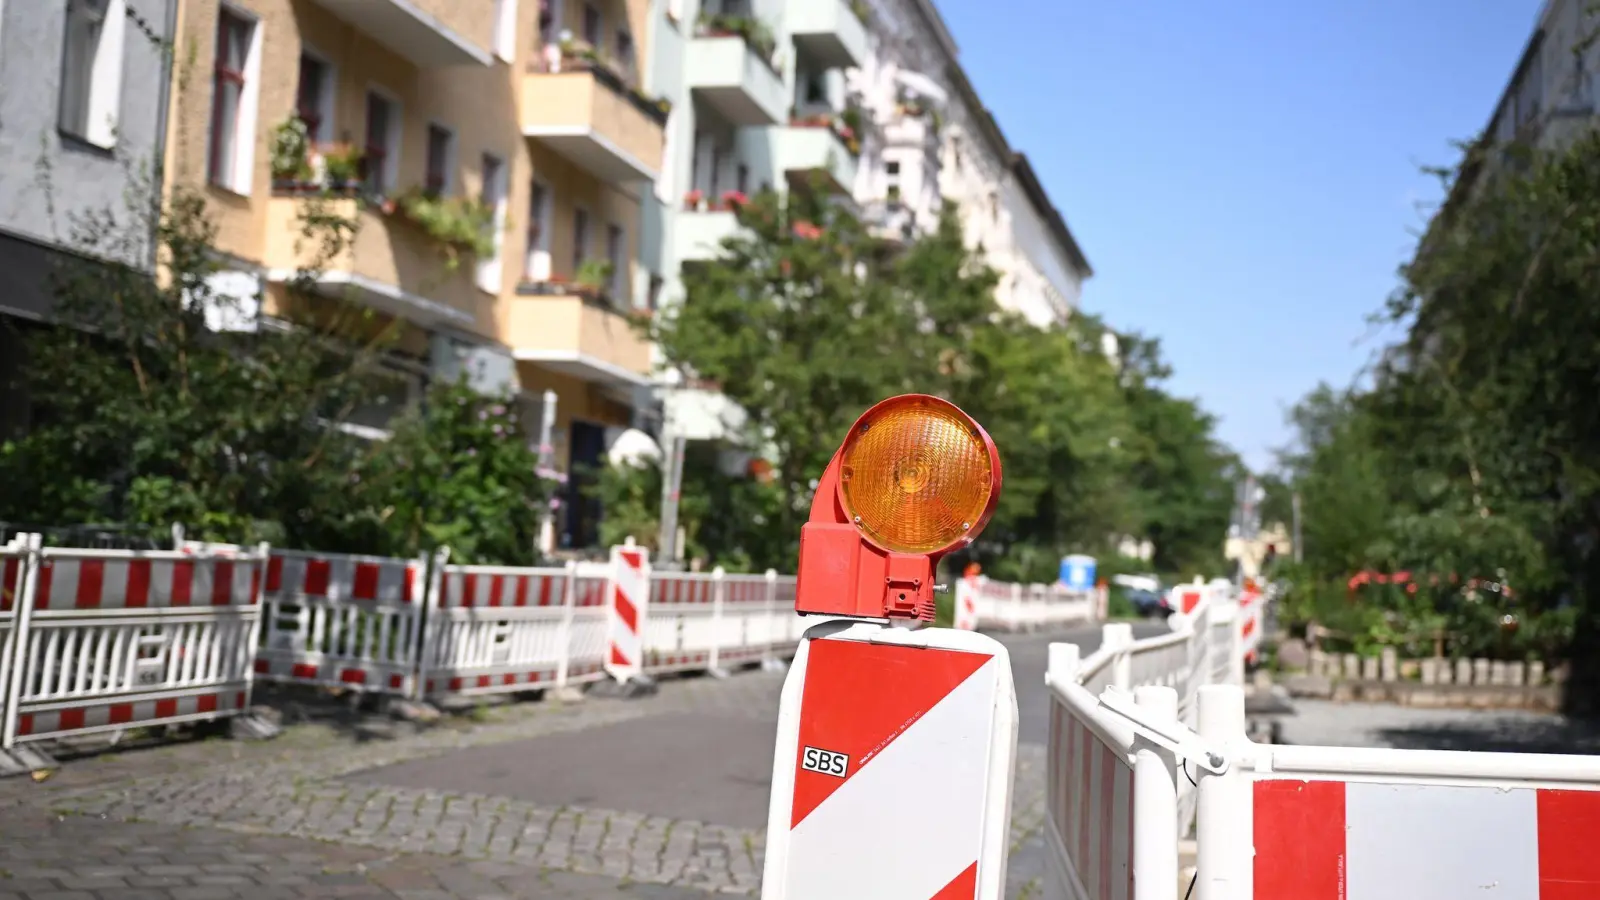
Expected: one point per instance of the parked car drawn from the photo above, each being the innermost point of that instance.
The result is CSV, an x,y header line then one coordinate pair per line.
x,y
1150,604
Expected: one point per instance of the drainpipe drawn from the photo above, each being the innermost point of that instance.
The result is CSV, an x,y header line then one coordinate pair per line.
x,y
163,113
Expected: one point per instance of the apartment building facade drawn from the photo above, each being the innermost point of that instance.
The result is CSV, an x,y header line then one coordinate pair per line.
x,y
934,141
80,134
419,118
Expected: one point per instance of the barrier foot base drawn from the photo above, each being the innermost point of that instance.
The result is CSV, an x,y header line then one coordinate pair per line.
x,y
414,711
718,672
633,687
567,694
774,664
251,727
25,760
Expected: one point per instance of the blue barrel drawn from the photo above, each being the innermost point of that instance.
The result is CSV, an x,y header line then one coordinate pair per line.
x,y
1077,572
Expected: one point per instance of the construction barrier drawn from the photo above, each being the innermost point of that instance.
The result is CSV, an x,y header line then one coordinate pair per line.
x,y
982,602
108,640
344,621
1321,823
496,629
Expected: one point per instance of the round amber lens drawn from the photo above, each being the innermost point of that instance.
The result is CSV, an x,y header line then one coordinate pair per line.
x,y
916,475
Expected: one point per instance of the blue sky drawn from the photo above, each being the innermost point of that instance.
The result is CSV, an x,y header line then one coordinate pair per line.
x,y
1243,175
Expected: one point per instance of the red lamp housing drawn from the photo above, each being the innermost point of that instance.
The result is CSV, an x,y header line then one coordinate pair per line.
x,y
914,479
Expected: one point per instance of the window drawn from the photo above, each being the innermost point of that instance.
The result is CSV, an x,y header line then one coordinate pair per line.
x,y
382,148
441,153
816,89
91,70
625,55
233,102
716,172
494,197
314,98
536,268
593,26
580,238
742,181
652,297
616,251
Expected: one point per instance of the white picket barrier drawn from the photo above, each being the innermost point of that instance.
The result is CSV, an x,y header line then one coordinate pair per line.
x,y
108,640
496,629
701,621
1001,606
1111,819
337,620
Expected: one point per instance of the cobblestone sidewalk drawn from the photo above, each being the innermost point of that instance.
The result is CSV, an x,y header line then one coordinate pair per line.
x,y
309,815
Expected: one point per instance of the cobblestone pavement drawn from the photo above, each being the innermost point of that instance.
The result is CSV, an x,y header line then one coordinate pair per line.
x,y
501,805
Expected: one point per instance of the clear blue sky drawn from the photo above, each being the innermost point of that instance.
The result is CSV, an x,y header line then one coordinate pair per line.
x,y
1243,175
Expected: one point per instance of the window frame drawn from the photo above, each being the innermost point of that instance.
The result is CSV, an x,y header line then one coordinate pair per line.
x,y
446,176
393,138
236,172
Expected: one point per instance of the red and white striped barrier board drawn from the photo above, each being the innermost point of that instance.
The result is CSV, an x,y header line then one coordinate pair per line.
x,y
498,629
629,607
14,574
1335,840
756,625
343,621
966,604
588,638
868,715
111,639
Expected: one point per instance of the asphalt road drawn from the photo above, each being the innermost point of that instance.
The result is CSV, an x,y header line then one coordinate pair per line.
x,y
662,797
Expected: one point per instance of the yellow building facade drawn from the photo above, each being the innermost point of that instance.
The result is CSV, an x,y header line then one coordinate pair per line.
x,y
525,114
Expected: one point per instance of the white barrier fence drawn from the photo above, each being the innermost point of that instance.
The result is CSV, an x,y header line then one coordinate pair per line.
x,y
110,640
1130,776
981,602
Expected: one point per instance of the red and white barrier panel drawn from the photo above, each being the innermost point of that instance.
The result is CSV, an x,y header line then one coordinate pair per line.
x,y
107,639
1112,796
756,625
965,617
682,630
497,629
588,638
868,715
1330,840
343,621
630,602
1341,823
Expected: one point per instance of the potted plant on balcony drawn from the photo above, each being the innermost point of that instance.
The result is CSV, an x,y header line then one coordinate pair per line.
x,y
593,277
341,165
862,10
459,225
693,199
291,163
755,33
732,201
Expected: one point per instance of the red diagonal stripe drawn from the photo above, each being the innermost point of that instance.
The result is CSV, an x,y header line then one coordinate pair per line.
x,y
962,887
848,707
626,611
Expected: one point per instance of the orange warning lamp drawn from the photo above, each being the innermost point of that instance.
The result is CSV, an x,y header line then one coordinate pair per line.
x,y
915,479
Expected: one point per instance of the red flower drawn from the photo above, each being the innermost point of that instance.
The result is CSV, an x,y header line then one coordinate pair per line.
x,y
806,231
734,199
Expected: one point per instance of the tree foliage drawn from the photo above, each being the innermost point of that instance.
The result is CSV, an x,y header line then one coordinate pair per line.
x,y
150,414
1476,451
808,319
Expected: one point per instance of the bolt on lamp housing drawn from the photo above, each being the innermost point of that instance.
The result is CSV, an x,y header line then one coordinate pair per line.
x,y
915,479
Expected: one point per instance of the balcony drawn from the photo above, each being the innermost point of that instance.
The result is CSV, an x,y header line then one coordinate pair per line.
x,y
828,32
428,33
390,265
582,336
804,150
698,234
731,77
591,117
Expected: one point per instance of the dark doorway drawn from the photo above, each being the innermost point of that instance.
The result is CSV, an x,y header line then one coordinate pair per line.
x,y
587,450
